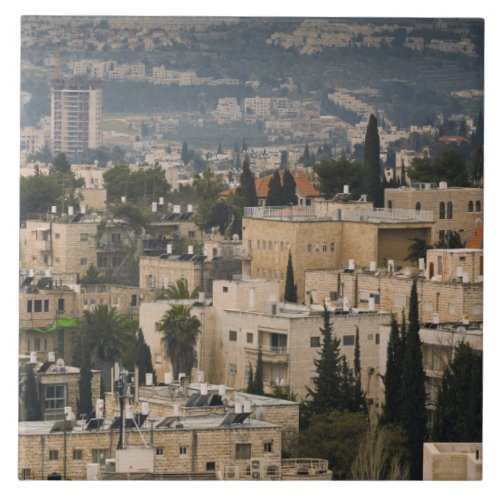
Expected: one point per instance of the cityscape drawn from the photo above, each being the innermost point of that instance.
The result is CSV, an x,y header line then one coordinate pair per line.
x,y
251,249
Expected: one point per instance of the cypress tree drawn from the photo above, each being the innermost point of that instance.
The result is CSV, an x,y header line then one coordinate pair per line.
x,y
372,163
244,146
250,386
306,156
247,186
413,411
392,377
403,181
460,398
258,380
284,159
290,286
237,162
358,397
31,400
274,191
288,196
142,357
85,382
185,153
219,149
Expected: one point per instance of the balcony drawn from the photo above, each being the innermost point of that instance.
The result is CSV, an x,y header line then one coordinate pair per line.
x,y
305,469
270,354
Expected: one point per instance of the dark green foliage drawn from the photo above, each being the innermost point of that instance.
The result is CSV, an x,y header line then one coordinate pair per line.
x,y
206,187
288,190
334,436
284,159
274,191
334,174
306,157
180,333
250,385
358,395
478,136
178,291
143,359
258,380
31,398
417,250
459,412
132,214
392,377
449,166
185,156
85,381
290,285
92,277
60,164
413,410
247,186
451,239
478,165
372,163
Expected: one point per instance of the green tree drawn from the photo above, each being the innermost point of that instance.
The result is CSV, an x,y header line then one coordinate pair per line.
x,y
206,187
185,153
60,164
284,159
333,175
459,416
358,396
392,377
413,409
451,239
288,190
290,285
258,380
180,333
142,358
478,165
306,156
92,276
85,380
449,166
132,214
372,163
250,385
31,398
178,291
247,186
274,191
417,250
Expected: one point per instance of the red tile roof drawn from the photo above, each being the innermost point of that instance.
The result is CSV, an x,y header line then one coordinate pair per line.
x,y
303,185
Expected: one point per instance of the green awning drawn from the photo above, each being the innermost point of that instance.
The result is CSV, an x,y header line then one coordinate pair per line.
x,y
56,325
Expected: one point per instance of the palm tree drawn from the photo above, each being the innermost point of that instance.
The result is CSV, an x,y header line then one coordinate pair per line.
x,y
177,291
108,334
180,331
418,249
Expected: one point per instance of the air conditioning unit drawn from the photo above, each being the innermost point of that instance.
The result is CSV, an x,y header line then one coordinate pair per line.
x,y
256,474
232,472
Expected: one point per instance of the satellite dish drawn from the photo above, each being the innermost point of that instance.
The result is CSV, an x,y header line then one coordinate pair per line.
x,y
236,237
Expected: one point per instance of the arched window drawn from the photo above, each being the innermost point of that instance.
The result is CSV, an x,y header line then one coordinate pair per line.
x,y
418,206
389,204
478,206
442,210
470,206
449,210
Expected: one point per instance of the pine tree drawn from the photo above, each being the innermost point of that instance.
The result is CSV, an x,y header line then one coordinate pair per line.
x,y
290,285
274,191
459,415
392,377
185,153
358,397
288,196
237,162
258,380
250,386
31,399
413,410
247,186
244,146
372,163
306,156
143,359
85,381
219,149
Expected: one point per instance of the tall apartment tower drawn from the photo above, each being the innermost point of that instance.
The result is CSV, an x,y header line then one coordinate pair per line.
x,y
76,116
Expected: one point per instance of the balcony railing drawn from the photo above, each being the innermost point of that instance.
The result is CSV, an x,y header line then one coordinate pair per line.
x,y
304,466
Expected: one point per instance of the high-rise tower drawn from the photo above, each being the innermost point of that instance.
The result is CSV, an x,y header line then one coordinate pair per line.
x,y
76,116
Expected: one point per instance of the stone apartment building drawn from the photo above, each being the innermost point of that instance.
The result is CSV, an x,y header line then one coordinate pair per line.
x,y
454,209
454,296
453,462
323,238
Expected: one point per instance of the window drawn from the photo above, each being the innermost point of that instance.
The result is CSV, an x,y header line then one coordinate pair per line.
x,y
377,338
191,234
60,342
84,237
55,396
77,454
282,275
83,261
183,450
449,210
102,261
243,451
25,473
317,247
46,305
38,306
258,244
225,289
309,247
268,447
282,246
389,204
232,369
45,345
269,245
314,342
233,335
99,456
418,206
348,340
334,295
442,210
57,236
29,306
332,247
272,470
249,338
160,452
210,466
117,261
28,345
470,206
324,247
116,237
37,344
478,206
53,455
133,300
440,265
60,305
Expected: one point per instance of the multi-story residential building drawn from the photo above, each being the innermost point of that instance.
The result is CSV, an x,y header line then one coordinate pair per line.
x,y
454,209
453,462
327,236
228,110
257,108
76,116
33,140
